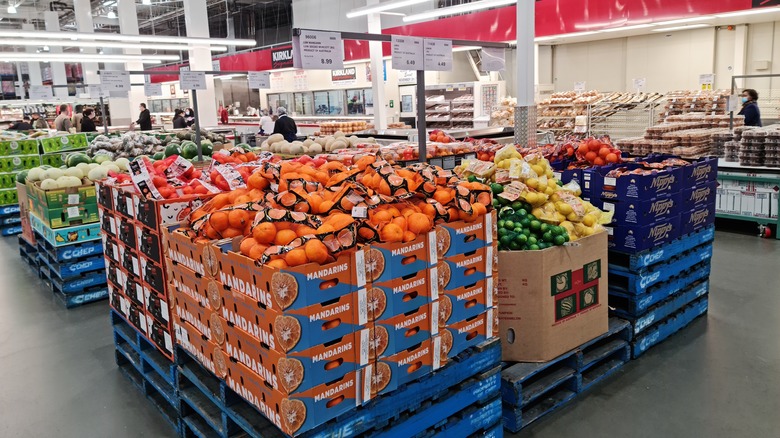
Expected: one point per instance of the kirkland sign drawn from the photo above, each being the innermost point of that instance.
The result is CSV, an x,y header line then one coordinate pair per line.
x,y
281,58
343,75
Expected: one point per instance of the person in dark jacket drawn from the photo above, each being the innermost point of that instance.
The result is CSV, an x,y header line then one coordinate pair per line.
x,y
178,119
750,108
285,125
189,117
24,125
144,121
88,121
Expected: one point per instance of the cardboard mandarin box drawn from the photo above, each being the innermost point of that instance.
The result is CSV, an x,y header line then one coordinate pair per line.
x,y
400,332
391,372
401,295
385,262
557,302
290,413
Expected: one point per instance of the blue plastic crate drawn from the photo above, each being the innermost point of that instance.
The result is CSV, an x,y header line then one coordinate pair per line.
x,y
629,305
667,307
671,325
636,261
639,283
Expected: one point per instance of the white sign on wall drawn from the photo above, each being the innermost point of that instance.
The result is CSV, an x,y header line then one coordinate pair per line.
x,y
493,59
192,80
41,92
259,80
706,81
639,84
407,77
153,90
579,87
408,53
299,80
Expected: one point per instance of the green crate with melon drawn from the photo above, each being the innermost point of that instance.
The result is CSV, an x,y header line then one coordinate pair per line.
x,y
18,147
64,143
67,216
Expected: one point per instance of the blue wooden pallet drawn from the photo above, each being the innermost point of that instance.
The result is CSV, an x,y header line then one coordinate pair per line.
x,y
10,230
149,370
74,298
476,419
222,412
80,283
11,220
638,283
619,261
495,431
663,329
8,210
29,253
85,297
531,390
633,306
75,268
76,251
665,308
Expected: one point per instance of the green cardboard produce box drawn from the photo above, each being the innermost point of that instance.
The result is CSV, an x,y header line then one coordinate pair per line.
x,y
60,198
8,197
19,162
64,143
67,216
8,180
19,147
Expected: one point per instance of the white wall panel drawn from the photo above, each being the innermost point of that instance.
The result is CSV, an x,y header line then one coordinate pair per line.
x,y
601,64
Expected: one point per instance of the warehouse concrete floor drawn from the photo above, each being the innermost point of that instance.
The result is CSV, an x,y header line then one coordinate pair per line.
x,y
720,377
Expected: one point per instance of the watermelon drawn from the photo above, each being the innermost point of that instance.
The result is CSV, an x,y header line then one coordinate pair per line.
x,y
77,157
189,150
21,177
158,156
207,147
172,150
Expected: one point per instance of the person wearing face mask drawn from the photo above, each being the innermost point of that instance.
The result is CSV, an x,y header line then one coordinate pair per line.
x,y
750,108
144,121
88,121
189,117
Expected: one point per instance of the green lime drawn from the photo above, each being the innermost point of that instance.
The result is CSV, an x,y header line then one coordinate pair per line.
x,y
522,238
536,225
503,201
534,247
544,227
514,246
559,240
505,212
559,182
547,237
527,232
505,240
496,203
557,231
472,178
509,224
502,232
533,240
496,188
522,212
500,223
517,205
526,223
518,230
566,236
544,245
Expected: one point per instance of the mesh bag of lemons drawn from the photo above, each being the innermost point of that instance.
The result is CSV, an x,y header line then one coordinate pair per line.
x,y
535,210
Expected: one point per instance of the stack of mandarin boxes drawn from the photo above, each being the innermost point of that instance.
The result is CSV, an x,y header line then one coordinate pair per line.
x,y
292,342
467,293
133,249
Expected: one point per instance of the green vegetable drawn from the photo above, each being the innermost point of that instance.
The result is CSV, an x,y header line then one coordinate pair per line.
x,y
496,188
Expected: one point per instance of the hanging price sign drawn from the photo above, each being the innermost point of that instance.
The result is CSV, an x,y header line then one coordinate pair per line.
x,y
438,55
259,80
317,50
408,53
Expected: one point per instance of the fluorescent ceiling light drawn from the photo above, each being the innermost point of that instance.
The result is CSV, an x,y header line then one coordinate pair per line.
x,y
386,6
65,57
634,27
146,2
748,12
672,29
79,36
682,21
111,14
459,9
98,44
565,35
11,9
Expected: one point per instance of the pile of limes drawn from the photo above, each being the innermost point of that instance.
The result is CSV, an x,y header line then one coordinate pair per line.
x,y
519,230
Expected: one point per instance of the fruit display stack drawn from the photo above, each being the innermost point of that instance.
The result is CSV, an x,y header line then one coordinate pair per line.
x,y
687,101
132,227
319,290
760,147
660,240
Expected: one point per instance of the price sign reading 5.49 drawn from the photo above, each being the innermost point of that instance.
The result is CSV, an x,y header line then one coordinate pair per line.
x,y
438,55
319,50
408,53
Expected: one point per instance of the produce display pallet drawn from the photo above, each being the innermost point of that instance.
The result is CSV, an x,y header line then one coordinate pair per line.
x,y
638,283
10,220
71,252
65,236
72,292
153,374
472,377
667,327
9,210
29,253
667,307
479,420
627,305
619,261
531,390
10,230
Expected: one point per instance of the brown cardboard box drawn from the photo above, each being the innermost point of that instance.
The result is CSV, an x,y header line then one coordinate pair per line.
x,y
553,300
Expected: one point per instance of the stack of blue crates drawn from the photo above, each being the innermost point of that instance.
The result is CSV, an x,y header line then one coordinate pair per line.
x,y
10,221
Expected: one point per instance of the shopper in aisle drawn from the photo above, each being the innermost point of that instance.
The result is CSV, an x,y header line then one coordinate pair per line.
x,y
750,108
24,125
144,121
178,119
39,122
223,114
266,124
88,121
189,117
285,125
62,122
78,116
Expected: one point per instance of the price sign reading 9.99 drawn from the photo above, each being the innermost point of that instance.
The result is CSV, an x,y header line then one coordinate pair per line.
x,y
317,50
408,53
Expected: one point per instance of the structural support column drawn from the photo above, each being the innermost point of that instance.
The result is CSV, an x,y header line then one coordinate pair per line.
x,y
377,71
196,20
740,54
124,109
58,75
83,11
525,113
33,68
